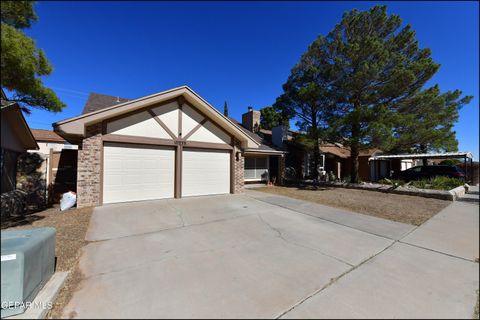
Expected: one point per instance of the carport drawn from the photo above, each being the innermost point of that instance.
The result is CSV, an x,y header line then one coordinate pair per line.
x,y
382,165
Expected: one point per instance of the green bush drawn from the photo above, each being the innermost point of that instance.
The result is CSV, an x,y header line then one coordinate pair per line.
x,y
438,183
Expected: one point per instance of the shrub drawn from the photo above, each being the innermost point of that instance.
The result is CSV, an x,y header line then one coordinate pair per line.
x,y
13,204
438,183
31,179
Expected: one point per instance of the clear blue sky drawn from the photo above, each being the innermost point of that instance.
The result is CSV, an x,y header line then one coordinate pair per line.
x,y
241,52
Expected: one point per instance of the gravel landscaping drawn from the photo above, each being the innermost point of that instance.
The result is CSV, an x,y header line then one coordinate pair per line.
x,y
401,208
71,226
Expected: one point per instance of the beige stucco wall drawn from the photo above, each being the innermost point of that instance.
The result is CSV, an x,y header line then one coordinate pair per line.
x,y
44,147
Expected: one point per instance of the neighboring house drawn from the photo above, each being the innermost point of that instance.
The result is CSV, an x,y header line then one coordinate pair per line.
x,y
335,158
60,164
169,144
48,140
16,139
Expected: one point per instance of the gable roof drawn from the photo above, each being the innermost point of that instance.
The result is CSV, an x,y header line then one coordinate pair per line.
x,y
46,135
16,126
263,145
334,149
97,101
344,152
74,128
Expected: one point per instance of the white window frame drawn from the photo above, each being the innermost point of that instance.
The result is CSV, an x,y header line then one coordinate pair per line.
x,y
267,159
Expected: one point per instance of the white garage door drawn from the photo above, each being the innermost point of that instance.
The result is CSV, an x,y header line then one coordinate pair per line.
x,y
205,172
133,173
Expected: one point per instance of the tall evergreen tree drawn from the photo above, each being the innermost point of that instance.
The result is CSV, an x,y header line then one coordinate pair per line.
x,y
352,80
271,118
426,121
22,63
225,109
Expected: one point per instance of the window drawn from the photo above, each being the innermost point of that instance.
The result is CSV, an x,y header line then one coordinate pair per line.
x,y
256,168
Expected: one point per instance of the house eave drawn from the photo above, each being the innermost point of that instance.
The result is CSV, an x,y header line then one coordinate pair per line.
x,y
76,126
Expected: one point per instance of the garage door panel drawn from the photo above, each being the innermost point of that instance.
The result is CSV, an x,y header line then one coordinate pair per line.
x,y
134,173
205,172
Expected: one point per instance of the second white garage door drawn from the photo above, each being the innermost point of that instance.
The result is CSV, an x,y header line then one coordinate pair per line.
x,y
205,172
133,173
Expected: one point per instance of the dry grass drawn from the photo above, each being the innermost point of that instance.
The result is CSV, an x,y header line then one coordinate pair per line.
x,y
71,228
401,208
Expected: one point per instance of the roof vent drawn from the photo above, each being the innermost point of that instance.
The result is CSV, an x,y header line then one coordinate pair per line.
x,y
118,99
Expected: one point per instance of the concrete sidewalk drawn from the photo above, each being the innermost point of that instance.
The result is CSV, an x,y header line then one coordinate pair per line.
x,y
430,273
373,225
453,231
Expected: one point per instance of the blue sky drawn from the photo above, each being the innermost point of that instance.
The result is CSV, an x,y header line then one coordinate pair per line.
x,y
241,52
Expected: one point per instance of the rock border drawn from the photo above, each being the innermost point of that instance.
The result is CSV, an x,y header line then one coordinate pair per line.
x,y
450,195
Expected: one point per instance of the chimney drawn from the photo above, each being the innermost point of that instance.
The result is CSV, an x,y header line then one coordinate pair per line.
x,y
251,120
279,135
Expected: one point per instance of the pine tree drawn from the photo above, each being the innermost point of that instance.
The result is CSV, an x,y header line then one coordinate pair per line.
x,y
22,63
349,83
271,118
426,121
225,109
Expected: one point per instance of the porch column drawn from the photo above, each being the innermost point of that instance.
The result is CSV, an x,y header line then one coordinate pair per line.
x,y
238,163
281,169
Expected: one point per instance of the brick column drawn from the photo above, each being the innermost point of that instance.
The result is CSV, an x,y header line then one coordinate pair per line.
x,y
89,171
281,169
238,176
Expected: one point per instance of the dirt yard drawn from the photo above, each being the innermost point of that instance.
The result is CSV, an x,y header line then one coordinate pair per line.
x,y
402,208
71,226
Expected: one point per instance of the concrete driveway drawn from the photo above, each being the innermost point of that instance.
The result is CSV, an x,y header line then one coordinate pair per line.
x,y
262,256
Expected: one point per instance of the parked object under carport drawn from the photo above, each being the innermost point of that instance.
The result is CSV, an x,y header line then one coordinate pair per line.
x,y
28,262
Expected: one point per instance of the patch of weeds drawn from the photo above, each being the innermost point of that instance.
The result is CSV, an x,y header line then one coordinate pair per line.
x,y
392,182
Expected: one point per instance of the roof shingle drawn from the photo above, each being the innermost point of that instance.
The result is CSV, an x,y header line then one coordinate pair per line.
x,y
97,101
46,135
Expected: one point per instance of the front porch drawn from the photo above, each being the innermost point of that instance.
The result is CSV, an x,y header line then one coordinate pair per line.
x,y
264,167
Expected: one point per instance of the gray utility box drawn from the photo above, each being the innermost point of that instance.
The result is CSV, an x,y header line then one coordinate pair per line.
x,y
28,262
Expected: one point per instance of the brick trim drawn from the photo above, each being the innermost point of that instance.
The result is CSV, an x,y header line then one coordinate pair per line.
x,y
238,170
90,168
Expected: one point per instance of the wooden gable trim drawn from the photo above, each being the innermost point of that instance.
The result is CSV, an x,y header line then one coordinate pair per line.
x,y
195,128
111,137
209,119
130,113
163,125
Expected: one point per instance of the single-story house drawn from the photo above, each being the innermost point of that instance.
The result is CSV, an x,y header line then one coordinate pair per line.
x,y
49,140
16,139
335,158
170,144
